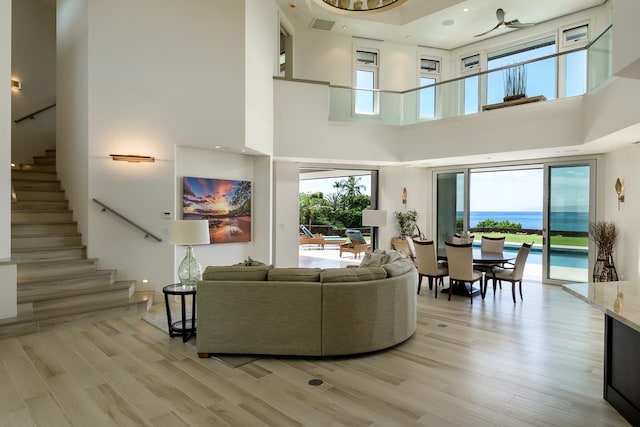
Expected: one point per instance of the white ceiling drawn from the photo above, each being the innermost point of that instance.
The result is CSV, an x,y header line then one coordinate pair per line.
x,y
445,24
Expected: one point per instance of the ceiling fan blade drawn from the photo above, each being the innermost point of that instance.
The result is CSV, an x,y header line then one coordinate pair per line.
x,y
500,16
517,24
487,32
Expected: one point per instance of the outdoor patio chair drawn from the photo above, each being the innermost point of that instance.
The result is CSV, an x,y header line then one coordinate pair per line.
x,y
308,238
356,245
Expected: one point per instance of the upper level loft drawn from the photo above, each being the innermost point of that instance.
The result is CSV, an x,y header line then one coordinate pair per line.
x,y
459,120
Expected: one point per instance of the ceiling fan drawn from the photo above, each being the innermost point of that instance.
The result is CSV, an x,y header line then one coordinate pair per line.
x,y
506,24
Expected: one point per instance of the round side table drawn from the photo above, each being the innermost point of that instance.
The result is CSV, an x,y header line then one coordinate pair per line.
x,y
185,327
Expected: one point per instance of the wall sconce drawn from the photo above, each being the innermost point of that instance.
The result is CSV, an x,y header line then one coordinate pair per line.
x,y
619,191
132,158
404,196
16,84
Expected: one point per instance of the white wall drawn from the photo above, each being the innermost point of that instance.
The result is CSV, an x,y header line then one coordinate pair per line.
x,y
72,112
261,54
286,178
417,181
623,164
8,301
626,50
204,163
177,81
33,62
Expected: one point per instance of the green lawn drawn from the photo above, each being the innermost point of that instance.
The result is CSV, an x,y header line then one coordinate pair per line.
x,y
537,239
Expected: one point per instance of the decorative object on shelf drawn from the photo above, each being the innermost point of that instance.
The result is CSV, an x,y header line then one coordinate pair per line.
x,y
515,83
605,236
361,6
406,221
187,233
619,191
374,218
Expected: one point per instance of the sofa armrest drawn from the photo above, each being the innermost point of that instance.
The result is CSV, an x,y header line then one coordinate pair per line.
x,y
359,317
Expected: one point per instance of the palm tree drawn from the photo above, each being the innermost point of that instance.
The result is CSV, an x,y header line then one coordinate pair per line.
x,y
352,186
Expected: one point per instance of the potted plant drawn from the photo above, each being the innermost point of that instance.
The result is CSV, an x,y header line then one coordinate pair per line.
x,y
406,221
515,83
605,236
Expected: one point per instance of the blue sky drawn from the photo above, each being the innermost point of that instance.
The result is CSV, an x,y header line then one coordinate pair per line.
x,y
326,184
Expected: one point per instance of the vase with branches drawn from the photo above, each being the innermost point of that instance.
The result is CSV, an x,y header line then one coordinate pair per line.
x,y
605,236
515,83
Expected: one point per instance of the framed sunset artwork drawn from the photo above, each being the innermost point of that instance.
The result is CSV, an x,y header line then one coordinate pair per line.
x,y
225,203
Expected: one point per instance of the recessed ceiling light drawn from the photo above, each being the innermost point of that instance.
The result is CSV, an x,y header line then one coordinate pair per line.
x,y
448,22
243,151
466,9
344,27
217,147
408,36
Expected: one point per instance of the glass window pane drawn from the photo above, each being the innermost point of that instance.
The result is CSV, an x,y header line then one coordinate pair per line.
x,y
541,75
365,99
576,73
427,98
471,95
364,57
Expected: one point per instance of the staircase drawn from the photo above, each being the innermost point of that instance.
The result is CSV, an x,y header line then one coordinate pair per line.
x,y
56,280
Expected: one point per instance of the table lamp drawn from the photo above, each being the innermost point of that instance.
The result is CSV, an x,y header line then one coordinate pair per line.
x,y
374,218
187,233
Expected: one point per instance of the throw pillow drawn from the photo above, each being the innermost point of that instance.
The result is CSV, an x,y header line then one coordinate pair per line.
x,y
337,275
398,267
374,260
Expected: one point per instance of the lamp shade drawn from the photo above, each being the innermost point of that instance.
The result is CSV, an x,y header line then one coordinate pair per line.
x,y
189,232
374,218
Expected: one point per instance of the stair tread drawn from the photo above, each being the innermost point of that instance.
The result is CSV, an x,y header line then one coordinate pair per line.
x,y
43,235
59,294
62,277
47,249
137,298
45,264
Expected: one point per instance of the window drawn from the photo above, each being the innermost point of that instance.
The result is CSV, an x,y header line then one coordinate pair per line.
x,y
541,75
429,75
471,88
366,79
574,36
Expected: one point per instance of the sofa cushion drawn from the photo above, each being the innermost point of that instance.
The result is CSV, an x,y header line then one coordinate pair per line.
x,y
374,260
250,262
398,267
294,274
235,272
334,275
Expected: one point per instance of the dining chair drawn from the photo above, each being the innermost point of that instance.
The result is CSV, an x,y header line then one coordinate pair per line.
x,y
460,240
403,246
490,244
461,272
428,264
511,274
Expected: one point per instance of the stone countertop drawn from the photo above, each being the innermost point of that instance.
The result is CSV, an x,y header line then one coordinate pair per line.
x,y
620,300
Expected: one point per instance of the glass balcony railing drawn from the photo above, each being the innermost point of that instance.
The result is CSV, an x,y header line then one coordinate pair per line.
x,y
558,75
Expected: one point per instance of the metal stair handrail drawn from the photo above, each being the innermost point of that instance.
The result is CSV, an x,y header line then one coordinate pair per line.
x,y
146,232
33,115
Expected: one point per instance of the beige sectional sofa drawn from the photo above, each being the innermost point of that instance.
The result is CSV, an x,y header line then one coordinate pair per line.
x,y
306,311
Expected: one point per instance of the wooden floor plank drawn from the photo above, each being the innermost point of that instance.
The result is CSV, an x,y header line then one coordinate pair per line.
x,y
537,362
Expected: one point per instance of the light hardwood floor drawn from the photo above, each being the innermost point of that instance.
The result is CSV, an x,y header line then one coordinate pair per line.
x,y
538,362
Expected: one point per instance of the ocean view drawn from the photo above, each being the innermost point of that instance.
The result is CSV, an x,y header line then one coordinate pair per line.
x,y
560,221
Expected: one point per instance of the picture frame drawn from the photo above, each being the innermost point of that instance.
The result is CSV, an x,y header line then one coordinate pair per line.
x,y
225,203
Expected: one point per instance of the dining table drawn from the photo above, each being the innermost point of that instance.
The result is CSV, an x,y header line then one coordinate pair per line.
x,y
480,257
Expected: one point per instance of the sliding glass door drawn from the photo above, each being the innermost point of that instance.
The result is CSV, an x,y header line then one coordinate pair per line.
x,y
451,205
568,211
